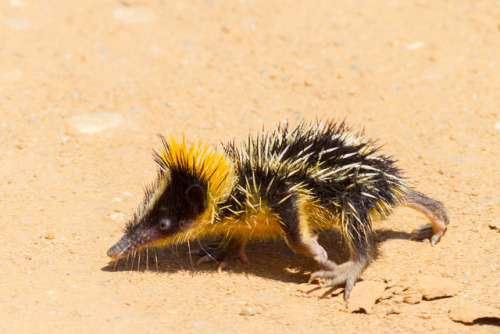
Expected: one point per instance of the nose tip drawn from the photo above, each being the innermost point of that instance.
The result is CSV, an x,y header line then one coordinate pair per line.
x,y
120,248
112,252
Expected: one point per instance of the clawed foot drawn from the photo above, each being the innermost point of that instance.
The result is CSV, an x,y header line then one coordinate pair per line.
x,y
427,232
222,255
345,274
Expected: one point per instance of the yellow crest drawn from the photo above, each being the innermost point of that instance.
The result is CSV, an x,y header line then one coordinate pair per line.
x,y
202,161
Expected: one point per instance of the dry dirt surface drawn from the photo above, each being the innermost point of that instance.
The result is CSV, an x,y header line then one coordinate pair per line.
x,y
86,87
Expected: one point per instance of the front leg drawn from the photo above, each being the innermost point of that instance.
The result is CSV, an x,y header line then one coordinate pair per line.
x,y
223,253
297,233
357,233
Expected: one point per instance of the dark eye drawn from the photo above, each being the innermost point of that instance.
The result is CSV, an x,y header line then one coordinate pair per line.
x,y
165,224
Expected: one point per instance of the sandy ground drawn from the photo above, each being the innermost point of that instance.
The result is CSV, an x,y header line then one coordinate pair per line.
x,y
86,87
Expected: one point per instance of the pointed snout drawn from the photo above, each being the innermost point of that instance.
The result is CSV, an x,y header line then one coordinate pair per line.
x,y
122,248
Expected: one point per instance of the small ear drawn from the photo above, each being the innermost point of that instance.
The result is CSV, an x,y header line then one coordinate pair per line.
x,y
195,196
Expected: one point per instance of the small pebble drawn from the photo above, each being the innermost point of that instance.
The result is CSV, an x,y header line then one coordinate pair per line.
x,y
425,316
95,122
393,310
414,46
118,217
412,297
247,311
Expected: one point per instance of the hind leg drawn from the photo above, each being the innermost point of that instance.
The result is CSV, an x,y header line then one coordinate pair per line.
x,y
436,212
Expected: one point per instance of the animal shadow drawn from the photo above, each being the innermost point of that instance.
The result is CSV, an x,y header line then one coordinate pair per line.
x,y
268,259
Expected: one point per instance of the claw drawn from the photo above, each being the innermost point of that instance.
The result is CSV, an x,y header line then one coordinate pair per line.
x,y
320,274
422,232
313,277
230,256
436,237
345,274
206,259
427,232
